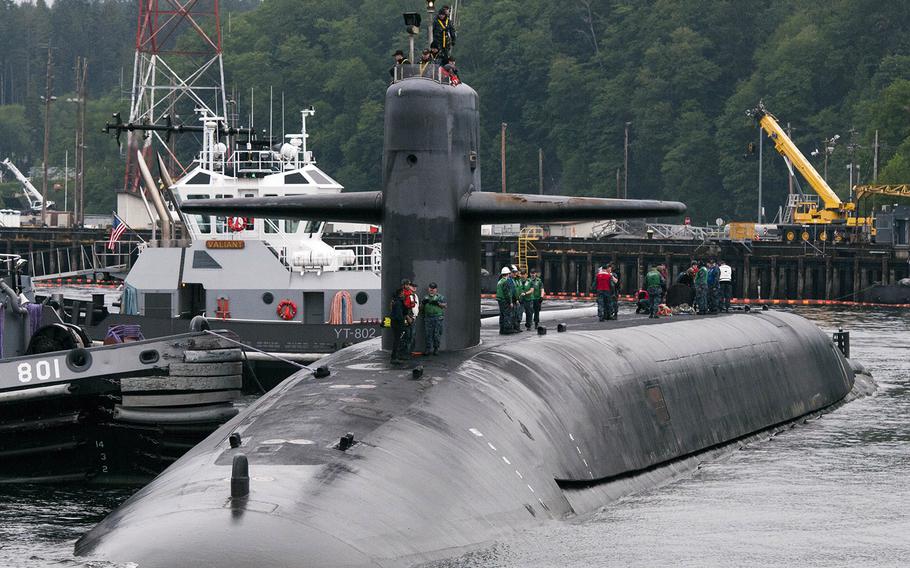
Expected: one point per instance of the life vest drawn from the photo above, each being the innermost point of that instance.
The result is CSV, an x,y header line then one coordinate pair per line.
x,y
604,282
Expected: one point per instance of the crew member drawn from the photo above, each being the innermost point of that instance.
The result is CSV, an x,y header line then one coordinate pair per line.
x,y
655,284
524,293
504,299
516,298
726,285
426,65
398,318
536,295
412,309
603,284
687,277
436,56
451,69
400,59
616,286
713,287
701,290
434,306
444,32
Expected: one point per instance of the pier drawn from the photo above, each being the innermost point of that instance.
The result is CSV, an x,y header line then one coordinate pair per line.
x,y
768,270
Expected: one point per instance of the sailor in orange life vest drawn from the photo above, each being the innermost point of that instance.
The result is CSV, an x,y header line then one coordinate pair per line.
x,y
401,317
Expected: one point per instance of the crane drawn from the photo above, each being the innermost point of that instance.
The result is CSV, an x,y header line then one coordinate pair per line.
x,y
31,194
902,190
822,216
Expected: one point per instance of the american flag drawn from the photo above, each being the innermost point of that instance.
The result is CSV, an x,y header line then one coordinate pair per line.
x,y
117,230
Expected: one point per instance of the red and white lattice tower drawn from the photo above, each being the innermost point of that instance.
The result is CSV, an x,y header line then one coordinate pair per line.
x,y
177,71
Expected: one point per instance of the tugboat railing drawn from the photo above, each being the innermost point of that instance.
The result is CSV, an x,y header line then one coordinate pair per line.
x,y
81,259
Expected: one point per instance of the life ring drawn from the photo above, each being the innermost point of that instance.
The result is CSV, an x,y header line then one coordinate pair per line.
x,y
236,224
287,310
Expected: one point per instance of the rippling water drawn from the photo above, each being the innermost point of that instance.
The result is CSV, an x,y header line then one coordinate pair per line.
x,y
832,492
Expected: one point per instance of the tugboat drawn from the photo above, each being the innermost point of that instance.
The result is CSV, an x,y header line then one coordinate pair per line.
x,y
114,413
276,283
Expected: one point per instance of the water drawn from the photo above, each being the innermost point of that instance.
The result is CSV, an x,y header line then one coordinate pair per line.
x,y
830,492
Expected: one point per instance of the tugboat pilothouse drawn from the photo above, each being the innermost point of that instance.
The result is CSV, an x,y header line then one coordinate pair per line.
x,y
277,283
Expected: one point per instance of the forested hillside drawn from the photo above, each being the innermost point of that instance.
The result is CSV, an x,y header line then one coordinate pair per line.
x,y
565,76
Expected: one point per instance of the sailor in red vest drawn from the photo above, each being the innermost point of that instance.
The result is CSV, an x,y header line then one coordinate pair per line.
x,y
603,286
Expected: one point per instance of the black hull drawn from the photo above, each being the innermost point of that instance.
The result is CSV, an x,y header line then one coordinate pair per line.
x,y
887,294
513,433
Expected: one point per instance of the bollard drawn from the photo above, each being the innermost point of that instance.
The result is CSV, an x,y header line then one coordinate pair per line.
x,y
240,477
842,340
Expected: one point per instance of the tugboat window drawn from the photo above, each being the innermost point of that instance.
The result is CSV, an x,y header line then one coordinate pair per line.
x,y
203,221
221,222
271,225
361,298
268,298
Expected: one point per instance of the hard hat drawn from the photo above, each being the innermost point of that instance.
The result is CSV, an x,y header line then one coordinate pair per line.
x,y
505,270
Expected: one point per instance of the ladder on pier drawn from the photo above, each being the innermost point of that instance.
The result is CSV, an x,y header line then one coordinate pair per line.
x,y
527,250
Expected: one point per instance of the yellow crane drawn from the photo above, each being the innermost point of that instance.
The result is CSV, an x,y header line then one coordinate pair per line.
x,y
819,217
901,190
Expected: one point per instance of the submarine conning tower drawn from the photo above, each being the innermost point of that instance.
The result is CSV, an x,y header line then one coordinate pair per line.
x,y
431,205
430,165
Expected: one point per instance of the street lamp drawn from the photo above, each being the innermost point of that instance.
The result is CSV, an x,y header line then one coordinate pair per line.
x,y
828,145
412,23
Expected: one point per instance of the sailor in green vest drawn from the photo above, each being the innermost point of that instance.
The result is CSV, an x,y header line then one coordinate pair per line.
x,y
524,297
535,297
516,298
434,309
655,284
504,294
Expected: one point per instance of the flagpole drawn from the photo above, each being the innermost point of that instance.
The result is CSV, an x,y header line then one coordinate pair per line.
x,y
138,236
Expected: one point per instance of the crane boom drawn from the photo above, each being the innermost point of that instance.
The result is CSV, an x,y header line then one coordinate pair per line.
x,y
861,191
785,146
32,194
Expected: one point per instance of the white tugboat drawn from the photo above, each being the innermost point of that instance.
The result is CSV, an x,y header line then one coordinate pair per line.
x,y
278,284
114,413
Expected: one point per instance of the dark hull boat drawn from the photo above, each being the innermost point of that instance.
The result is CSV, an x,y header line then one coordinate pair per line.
x,y
375,465
117,413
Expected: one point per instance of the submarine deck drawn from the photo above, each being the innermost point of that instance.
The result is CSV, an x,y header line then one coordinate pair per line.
x,y
364,390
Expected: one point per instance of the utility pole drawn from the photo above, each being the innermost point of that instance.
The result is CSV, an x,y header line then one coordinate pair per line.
x,y
81,69
540,170
852,147
625,183
875,159
502,156
66,179
48,87
618,183
761,143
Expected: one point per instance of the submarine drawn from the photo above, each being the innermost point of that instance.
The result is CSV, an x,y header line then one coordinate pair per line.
x,y
364,464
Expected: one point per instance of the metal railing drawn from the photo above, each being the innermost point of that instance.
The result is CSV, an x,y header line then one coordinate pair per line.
x,y
429,71
366,257
685,232
81,259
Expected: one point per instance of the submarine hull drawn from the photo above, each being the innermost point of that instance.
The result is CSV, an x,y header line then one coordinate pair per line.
x,y
503,436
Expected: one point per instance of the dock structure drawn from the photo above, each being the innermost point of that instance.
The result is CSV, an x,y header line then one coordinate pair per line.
x,y
767,270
